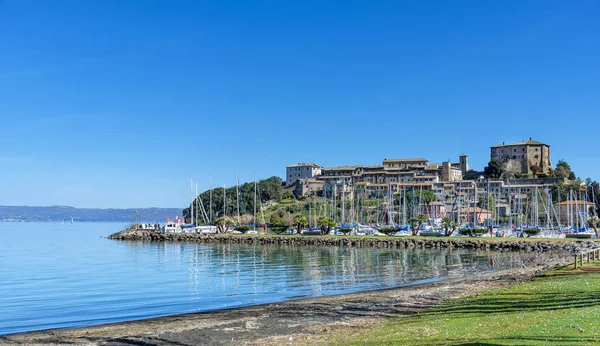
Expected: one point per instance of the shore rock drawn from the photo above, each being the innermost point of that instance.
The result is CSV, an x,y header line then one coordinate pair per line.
x,y
516,244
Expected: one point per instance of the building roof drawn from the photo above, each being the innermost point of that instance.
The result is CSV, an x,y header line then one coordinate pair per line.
x,y
340,168
302,164
529,142
574,203
406,160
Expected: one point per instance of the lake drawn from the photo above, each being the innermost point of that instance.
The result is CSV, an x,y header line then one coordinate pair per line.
x,y
56,275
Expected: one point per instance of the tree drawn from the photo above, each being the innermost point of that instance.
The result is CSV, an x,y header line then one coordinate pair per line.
x,y
416,223
224,224
287,195
326,221
426,196
535,169
276,220
388,230
449,226
243,229
493,169
300,221
563,170
512,169
488,203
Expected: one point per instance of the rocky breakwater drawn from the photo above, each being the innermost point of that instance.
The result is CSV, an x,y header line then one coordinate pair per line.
x,y
539,245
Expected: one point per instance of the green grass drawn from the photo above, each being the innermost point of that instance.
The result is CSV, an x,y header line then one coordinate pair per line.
x,y
561,307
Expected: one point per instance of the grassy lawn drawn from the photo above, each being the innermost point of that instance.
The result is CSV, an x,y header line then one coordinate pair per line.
x,y
560,307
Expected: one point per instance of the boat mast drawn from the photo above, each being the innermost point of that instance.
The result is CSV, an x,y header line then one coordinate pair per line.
x,y
559,206
254,202
192,205
237,192
210,220
343,203
224,200
403,205
334,211
459,218
475,204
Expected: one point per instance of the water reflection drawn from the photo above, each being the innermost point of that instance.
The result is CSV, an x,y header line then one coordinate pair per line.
x,y
56,278
233,270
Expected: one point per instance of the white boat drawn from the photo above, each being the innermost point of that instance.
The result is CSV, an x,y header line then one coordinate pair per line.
x,y
172,227
205,229
175,226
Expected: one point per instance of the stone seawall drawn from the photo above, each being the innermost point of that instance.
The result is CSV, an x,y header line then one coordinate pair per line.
x,y
540,245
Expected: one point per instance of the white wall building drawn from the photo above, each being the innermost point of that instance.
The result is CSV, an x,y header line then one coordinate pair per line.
x,y
301,171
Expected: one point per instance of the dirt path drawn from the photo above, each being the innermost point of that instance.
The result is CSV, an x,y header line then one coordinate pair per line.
x,y
303,321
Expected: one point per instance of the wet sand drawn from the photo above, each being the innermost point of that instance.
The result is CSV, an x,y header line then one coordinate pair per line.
x,y
295,322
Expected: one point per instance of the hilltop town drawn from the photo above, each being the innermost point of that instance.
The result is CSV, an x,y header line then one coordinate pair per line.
x,y
516,175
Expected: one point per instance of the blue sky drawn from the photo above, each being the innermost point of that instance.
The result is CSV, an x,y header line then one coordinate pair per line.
x,y
120,103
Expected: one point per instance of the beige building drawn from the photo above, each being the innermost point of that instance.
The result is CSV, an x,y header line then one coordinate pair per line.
x,y
527,154
575,212
451,172
405,164
308,186
301,171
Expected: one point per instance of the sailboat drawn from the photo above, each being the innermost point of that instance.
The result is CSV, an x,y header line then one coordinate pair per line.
x,y
72,221
253,230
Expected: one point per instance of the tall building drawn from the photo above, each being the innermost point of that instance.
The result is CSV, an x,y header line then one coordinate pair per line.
x,y
464,164
301,171
527,154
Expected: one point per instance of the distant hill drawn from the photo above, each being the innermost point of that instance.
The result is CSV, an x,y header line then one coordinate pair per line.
x,y
65,213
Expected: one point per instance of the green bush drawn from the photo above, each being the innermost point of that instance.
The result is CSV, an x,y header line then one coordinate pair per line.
x,y
242,229
278,229
474,232
344,231
531,232
388,230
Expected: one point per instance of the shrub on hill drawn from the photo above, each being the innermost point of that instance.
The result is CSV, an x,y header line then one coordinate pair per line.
x,y
531,232
344,231
473,232
278,229
243,229
388,230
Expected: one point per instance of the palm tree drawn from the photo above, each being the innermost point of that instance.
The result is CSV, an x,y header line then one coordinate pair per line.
x,y
300,221
449,224
223,224
416,222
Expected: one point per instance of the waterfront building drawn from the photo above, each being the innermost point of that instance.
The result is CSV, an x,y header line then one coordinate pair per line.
x,y
301,171
575,212
527,154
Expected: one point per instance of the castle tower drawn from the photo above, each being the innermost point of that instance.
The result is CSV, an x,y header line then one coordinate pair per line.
x,y
464,163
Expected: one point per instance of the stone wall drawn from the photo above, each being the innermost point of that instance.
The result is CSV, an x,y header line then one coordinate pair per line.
x,y
540,245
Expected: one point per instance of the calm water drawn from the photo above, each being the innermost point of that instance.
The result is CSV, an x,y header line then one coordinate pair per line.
x,y
62,275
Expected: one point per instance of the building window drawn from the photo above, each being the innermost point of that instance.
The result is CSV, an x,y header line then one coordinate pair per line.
x,y
514,156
